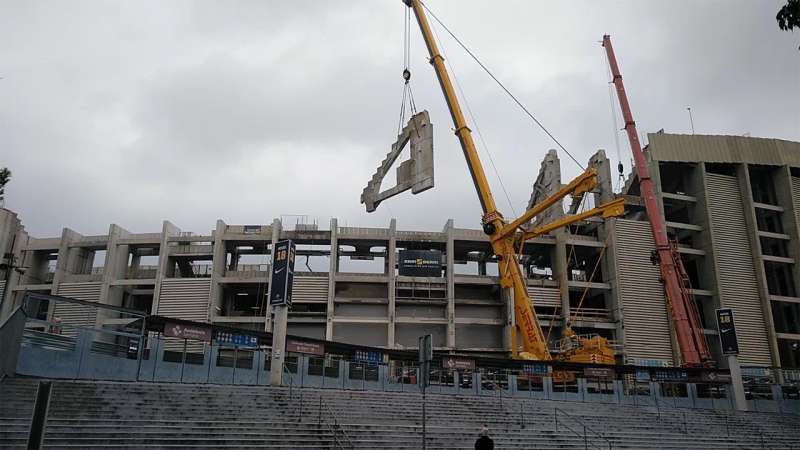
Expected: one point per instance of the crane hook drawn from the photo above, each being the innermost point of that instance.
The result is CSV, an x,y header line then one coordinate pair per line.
x,y
406,75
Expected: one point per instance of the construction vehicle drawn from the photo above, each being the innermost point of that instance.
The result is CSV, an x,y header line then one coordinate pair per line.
x,y
685,317
507,237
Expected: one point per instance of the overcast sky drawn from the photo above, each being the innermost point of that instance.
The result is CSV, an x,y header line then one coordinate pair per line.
x,y
136,112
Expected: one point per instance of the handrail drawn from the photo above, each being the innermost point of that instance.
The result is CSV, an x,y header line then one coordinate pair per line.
x,y
739,427
586,443
335,427
291,387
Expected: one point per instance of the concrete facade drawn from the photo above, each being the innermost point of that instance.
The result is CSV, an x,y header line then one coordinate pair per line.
x,y
735,215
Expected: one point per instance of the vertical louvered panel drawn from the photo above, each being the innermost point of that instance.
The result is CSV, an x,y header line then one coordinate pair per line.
x,y
73,314
185,298
2,290
737,273
310,289
641,294
796,197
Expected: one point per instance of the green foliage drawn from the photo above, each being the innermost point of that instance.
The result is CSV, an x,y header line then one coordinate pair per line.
x,y
5,177
789,16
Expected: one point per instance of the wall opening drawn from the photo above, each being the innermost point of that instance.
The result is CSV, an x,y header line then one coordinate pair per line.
x,y
762,184
779,279
769,220
721,169
362,259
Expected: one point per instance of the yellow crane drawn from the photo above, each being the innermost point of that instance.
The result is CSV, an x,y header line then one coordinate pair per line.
x,y
507,237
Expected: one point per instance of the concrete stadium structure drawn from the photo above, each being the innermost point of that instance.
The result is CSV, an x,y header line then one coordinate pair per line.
x,y
733,203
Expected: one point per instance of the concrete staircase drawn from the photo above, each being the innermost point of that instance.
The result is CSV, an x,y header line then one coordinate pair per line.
x,y
86,414
16,408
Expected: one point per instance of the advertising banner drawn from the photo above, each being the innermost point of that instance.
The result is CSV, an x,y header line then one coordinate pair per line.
x,y
187,332
598,372
727,332
280,290
459,363
235,339
368,356
309,348
420,263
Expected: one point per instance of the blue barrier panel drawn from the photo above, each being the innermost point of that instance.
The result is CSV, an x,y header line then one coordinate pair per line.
x,y
40,361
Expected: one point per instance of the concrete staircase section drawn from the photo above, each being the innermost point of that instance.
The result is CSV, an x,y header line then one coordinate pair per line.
x,y
86,414
17,397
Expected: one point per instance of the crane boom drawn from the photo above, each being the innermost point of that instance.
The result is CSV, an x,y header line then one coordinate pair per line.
x,y
462,131
685,317
506,238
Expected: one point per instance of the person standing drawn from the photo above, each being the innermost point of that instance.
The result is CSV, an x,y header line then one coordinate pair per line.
x,y
484,442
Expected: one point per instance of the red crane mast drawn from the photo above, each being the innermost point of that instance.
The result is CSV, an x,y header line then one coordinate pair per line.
x,y
685,317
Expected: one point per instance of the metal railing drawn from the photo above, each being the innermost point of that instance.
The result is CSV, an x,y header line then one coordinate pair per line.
x,y
48,340
328,419
733,426
288,373
586,434
333,425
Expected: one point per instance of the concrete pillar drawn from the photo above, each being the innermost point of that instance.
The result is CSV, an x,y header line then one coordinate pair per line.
x,y
276,229
743,174
790,218
604,192
167,230
547,183
68,263
561,273
115,266
703,239
217,270
739,399
655,175
278,344
707,244
333,268
391,263
451,286
12,239
279,322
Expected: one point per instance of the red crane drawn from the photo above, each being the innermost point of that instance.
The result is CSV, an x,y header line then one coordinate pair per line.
x,y
685,317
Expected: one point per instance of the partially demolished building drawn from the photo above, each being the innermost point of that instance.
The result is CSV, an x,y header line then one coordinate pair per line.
x,y
733,203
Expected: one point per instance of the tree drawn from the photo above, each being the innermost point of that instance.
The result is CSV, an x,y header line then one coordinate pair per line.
x,y
789,16
5,177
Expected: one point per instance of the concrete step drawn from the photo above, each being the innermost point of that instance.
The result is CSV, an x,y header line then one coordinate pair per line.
x,y
169,415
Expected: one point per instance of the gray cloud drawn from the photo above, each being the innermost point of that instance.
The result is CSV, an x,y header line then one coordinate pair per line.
x,y
193,111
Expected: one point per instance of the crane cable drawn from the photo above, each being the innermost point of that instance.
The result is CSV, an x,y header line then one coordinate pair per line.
x,y
615,124
408,95
502,86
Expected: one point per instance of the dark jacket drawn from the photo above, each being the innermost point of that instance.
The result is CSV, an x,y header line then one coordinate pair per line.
x,y
484,443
